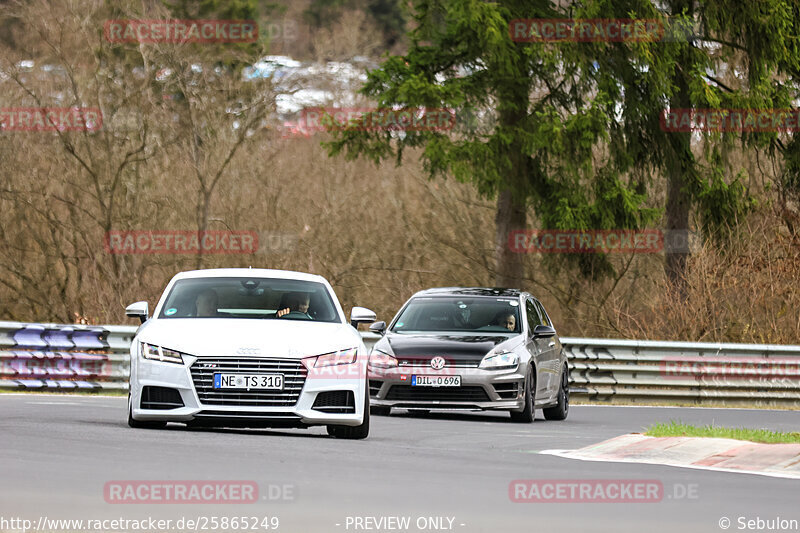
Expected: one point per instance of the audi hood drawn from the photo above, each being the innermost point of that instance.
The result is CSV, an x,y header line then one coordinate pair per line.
x,y
236,337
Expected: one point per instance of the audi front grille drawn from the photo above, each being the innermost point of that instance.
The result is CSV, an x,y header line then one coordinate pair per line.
x,y
294,377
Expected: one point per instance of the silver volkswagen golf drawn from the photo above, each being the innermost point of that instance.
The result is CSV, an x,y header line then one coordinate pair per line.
x,y
470,349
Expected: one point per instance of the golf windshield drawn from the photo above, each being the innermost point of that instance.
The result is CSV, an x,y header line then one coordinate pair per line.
x,y
266,298
478,314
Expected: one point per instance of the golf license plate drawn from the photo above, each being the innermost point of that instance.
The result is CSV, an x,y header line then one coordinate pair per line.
x,y
248,381
435,381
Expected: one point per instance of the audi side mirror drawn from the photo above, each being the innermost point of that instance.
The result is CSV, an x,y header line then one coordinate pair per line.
x,y
359,315
138,310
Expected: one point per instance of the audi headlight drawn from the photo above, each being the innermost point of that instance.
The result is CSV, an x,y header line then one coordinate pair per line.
x,y
342,357
500,360
157,353
379,359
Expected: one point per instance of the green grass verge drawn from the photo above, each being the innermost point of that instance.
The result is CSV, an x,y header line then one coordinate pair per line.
x,y
677,429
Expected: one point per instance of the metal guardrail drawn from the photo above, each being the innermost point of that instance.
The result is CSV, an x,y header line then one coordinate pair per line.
x,y
64,357
761,374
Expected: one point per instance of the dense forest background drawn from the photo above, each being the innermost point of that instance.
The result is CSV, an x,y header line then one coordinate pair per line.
x,y
190,143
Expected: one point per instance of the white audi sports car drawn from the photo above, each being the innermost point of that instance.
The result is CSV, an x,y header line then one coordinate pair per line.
x,y
249,348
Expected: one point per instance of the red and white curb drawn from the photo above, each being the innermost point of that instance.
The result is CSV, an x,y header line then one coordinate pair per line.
x,y
725,455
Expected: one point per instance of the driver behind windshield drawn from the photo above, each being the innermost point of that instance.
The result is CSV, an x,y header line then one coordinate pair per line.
x,y
506,320
297,303
206,303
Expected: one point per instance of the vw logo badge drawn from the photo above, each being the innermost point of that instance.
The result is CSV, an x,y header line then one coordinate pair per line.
x,y
437,363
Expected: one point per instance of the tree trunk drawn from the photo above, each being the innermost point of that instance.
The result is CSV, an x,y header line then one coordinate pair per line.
x,y
510,216
513,101
678,207
202,224
679,168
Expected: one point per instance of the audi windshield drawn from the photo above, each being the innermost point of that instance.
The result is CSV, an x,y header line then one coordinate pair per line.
x,y
262,298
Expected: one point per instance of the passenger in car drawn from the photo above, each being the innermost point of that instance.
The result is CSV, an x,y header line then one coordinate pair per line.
x,y
206,303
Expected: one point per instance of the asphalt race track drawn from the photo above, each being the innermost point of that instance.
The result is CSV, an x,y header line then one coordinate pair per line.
x,y
58,452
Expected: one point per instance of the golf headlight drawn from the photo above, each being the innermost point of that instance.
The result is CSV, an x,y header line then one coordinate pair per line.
x,y
157,353
500,360
379,359
342,357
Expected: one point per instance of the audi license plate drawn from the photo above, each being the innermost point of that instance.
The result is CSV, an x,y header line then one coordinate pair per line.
x,y
248,381
435,381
